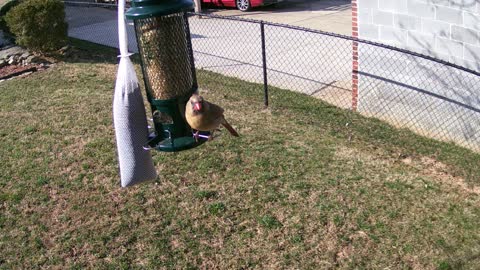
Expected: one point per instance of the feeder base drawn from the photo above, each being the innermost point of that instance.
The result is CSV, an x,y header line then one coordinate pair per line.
x,y
176,144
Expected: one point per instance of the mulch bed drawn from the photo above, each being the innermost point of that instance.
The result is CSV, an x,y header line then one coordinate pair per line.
x,y
10,71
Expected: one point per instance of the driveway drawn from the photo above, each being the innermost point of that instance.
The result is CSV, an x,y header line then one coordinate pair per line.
x,y
327,15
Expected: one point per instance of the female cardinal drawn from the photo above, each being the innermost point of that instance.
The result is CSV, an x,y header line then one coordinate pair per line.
x,y
202,115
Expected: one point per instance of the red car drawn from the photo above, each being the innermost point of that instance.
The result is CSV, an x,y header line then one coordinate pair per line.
x,y
243,5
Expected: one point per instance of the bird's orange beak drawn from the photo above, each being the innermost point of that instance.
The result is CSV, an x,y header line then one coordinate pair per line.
x,y
197,106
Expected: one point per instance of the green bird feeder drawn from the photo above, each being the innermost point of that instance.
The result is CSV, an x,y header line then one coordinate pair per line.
x,y
165,48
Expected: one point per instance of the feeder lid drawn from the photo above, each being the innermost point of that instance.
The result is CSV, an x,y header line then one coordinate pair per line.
x,y
142,9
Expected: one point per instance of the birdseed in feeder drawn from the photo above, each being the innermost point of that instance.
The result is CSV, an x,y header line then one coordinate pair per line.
x,y
165,55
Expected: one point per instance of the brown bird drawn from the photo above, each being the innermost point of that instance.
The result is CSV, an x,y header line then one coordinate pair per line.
x,y
202,115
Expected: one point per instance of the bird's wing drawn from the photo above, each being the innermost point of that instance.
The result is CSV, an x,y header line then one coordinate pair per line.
x,y
215,111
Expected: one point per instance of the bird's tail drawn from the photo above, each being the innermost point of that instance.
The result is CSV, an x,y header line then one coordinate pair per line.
x,y
230,128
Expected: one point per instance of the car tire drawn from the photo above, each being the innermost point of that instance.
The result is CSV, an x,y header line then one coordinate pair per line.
x,y
243,5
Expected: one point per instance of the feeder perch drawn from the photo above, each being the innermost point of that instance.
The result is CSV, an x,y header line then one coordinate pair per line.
x,y
165,48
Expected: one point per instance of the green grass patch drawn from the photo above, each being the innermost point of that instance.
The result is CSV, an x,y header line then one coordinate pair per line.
x,y
299,189
217,208
206,194
270,222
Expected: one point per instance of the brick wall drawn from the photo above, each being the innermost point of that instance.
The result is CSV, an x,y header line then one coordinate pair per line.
x,y
447,29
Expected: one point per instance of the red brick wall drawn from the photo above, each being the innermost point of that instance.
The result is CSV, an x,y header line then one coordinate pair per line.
x,y
354,56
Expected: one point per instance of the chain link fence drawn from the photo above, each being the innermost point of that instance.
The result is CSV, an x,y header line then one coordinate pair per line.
x,y
431,97
409,90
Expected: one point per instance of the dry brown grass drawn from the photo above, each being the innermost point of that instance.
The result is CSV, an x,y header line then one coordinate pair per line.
x,y
299,189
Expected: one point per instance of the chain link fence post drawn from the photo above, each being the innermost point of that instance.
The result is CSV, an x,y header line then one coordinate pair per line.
x,y
264,64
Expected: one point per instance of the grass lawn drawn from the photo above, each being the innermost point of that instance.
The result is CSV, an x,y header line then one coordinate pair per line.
x,y
300,189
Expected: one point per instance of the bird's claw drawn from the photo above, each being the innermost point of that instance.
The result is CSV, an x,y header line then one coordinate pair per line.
x,y
196,135
210,138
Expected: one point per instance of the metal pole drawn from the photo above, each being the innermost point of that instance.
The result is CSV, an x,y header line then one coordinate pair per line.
x,y
264,62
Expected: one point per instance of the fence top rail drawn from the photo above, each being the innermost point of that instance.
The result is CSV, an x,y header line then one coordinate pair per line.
x,y
349,38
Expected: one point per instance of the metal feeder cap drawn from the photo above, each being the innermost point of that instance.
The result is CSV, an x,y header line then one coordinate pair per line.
x,y
143,9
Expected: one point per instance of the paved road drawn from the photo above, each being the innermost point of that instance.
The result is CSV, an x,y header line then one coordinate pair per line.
x,y
98,25
306,62
327,15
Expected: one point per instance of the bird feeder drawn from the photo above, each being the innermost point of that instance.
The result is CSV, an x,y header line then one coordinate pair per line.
x,y
165,48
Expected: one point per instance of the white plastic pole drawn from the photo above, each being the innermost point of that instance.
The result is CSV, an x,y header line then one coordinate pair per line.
x,y
122,29
198,6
